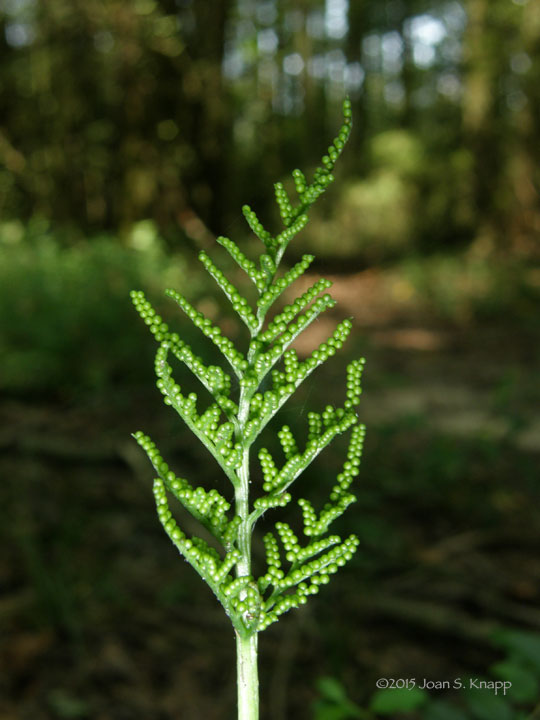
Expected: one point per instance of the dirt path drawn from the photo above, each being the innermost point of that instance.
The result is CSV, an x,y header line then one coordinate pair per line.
x,y
464,380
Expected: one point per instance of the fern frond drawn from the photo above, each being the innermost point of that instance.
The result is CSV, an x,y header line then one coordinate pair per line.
x,y
284,204
282,322
240,408
254,223
265,361
186,407
212,377
240,304
278,286
235,358
248,266
209,508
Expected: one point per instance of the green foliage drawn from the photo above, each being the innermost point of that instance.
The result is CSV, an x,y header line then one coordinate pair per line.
x,y
334,704
441,710
485,705
508,692
240,409
462,287
522,666
389,701
376,216
60,309
473,698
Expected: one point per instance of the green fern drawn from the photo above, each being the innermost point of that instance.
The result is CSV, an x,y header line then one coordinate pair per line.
x,y
228,427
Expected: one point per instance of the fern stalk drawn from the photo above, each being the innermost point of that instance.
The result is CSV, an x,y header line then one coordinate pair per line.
x,y
228,428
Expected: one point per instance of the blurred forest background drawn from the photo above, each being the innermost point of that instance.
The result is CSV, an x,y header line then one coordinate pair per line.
x,y
131,133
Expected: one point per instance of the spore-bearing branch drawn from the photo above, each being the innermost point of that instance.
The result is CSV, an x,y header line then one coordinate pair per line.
x,y
229,425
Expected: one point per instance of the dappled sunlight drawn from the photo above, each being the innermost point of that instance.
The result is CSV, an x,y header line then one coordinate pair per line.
x,y
440,380
415,338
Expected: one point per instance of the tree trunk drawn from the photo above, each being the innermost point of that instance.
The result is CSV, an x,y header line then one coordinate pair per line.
x,y
480,122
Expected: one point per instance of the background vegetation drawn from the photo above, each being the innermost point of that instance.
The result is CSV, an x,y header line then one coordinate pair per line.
x,y
130,135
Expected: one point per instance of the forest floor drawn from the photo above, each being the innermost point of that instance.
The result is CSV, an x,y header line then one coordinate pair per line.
x,y
100,621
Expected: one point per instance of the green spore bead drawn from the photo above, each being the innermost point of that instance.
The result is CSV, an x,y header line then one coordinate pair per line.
x,y
235,358
237,586
271,548
268,266
317,569
352,464
209,420
208,507
293,329
230,531
354,380
284,204
279,380
256,226
315,426
229,407
217,381
288,443
290,360
183,352
328,416
224,438
268,468
282,322
240,304
284,238
275,290
226,566
299,181
327,349
271,501
288,539
248,266
315,526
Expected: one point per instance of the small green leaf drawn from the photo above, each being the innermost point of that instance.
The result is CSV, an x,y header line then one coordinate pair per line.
x,y
524,681
389,701
66,705
331,689
485,705
440,710
325,711
523,644
335,704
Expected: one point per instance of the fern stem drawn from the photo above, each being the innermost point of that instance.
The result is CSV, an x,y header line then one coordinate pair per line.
x,y
247,675
246,642
243,566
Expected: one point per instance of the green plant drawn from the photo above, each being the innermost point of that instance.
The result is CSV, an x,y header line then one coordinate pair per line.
x,y
334,703
508,691
49,316
229,427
